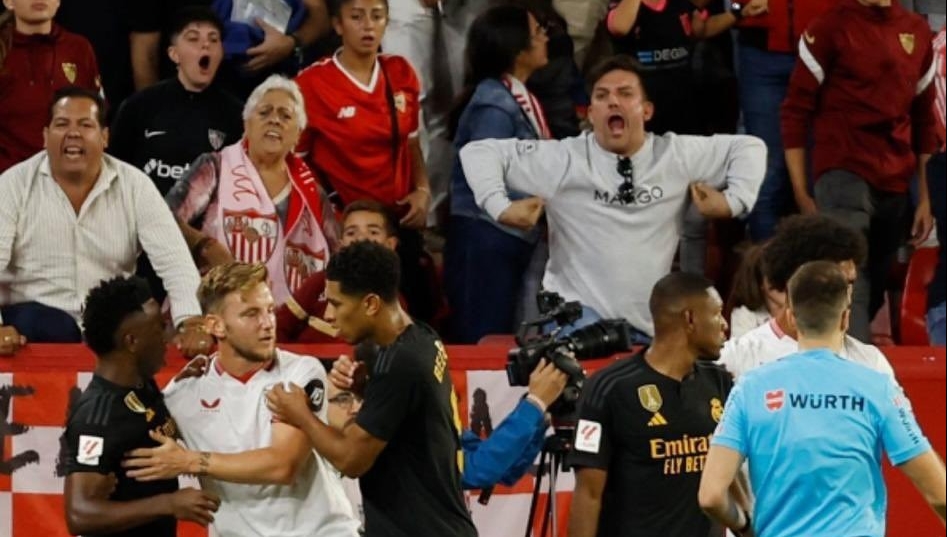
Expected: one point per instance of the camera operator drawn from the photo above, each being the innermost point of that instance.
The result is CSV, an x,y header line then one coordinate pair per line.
x,y
612,192
645,422
504,456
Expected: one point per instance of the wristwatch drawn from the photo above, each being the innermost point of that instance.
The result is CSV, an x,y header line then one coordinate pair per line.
x,y
736,9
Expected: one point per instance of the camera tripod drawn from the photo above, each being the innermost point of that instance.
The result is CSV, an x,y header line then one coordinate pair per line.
x,y
551,460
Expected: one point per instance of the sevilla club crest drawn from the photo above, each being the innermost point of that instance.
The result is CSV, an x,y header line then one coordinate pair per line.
x,y
301,263
907,42
70,71
251,236
216,138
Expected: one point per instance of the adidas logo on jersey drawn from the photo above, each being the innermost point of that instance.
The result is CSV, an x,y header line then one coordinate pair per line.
x,y
657,420
346,112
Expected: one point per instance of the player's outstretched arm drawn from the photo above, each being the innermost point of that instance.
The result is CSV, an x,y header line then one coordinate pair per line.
x,y
276,464
89,510
927,473
352,451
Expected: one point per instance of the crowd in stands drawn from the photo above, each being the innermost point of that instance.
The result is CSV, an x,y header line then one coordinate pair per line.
x,y
336,170
497,147
257,167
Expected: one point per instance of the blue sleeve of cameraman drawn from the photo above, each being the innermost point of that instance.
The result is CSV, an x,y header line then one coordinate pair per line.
x,y
507,453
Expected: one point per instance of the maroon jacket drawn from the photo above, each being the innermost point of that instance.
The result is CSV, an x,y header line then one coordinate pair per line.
x,y
35,67
864,81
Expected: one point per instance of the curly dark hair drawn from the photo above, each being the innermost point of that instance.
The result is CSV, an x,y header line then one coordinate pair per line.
x,y
365,268
107,306
803,238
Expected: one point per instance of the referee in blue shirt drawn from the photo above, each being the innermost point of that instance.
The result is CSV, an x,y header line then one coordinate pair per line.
x,y
813,426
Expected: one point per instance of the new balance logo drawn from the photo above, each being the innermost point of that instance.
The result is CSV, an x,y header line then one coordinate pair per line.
x,y
657,420
152,134
346,112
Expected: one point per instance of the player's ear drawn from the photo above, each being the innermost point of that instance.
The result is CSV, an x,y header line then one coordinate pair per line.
x,y
689,320
372,303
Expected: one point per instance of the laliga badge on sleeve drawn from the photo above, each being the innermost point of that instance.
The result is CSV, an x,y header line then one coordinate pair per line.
x,y
588,436
90,449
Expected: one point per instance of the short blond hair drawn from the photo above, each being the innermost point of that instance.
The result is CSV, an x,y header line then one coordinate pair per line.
x,y
228,278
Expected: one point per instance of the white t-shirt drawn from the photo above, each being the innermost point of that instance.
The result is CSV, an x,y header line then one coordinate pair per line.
x,y
768,343
603,251
743,319
220,413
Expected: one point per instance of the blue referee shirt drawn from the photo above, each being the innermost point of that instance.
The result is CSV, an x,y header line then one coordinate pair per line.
x,y
813,426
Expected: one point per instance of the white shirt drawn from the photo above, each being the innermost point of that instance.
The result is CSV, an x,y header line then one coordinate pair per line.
x,y
602,252
743,319
220,413
53,256
768,343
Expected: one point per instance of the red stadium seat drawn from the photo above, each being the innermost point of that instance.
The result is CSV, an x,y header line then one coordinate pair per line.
x,y
914,300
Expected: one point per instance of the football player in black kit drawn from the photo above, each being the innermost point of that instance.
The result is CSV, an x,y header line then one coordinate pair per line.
x,y
645,422
124,328
404,443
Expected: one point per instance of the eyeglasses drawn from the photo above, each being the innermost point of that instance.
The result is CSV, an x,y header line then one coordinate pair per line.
x,y
344,400
626,191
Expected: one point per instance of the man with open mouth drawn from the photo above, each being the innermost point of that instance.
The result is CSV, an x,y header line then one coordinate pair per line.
x,y
614,197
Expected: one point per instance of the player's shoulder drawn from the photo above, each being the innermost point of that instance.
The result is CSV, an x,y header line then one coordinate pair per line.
x,y
615,377
98,406
711,370
292,364
414,352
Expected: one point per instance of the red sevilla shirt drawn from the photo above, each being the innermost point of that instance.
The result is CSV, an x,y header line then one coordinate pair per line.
x,y
348,137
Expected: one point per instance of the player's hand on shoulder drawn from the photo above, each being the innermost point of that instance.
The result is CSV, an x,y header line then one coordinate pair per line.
x,y
194,505
166,461
343,373
289,404
195,368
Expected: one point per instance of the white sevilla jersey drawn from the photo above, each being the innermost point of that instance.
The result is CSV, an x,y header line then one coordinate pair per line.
x,y
224,414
